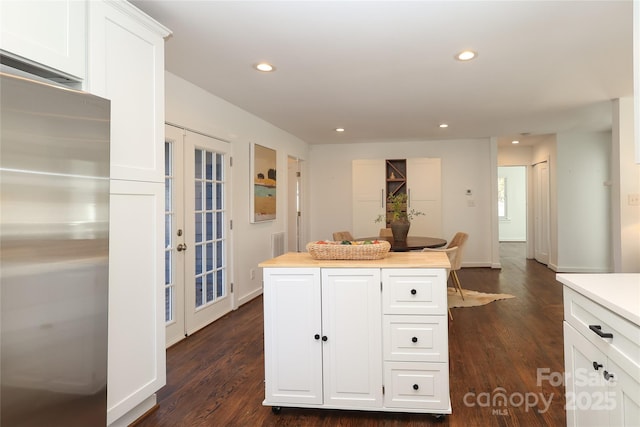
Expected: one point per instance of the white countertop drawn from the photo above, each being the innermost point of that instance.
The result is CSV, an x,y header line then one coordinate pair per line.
x,y
619,292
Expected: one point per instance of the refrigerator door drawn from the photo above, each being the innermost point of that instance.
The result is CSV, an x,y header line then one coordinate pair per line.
x,y
54,228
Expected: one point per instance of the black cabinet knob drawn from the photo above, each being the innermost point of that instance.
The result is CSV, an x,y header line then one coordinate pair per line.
x,y
316,336
324,338
414,339
415,386
413,292
607,375
597,365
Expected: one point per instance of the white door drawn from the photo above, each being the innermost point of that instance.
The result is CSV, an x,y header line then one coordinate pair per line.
x,y
541,212
174,232
424,194
197,219
369,198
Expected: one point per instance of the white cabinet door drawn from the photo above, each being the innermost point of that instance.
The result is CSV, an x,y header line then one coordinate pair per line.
x,y
351,322
49,33
369,197
126,65
136,360
624,388
424,191
292,336
585,388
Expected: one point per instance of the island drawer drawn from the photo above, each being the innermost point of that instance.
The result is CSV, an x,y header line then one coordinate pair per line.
x,y
416,385
415,338
414,291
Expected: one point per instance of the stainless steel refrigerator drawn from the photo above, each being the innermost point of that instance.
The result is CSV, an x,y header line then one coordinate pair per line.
x,y
54,254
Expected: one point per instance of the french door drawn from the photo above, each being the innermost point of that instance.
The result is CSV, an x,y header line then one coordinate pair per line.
x,y
197,271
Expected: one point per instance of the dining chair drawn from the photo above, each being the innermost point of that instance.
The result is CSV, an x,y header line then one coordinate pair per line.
x,y
454,253
342,235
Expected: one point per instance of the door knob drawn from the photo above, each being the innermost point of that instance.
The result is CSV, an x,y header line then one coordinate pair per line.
x,y
181,247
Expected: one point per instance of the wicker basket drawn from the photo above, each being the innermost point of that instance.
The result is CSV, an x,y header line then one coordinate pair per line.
x,y
355,251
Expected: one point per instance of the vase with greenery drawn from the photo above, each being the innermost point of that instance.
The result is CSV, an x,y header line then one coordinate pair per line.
x,y
398,216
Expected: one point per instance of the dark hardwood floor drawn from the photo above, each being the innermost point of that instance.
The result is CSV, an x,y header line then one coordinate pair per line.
x,y
215,377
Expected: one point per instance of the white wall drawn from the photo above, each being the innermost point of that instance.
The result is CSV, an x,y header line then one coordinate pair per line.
x,y
466,164
583,200
191,107
625,182
515,155
513,228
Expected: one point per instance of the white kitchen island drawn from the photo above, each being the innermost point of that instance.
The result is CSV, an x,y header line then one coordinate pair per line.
x,y
602,349
358,335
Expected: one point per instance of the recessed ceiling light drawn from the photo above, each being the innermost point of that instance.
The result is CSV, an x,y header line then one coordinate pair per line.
x,y
339,129
444,125
265,67
515,142
466,55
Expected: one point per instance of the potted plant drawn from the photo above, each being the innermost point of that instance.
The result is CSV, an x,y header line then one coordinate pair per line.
x,y
401,217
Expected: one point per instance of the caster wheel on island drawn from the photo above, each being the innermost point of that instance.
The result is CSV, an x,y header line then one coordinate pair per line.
x,y
276,409
438,417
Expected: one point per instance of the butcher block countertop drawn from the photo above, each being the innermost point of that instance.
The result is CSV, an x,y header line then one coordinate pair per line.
x,y
391,260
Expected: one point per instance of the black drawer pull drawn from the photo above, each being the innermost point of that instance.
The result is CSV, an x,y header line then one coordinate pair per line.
x,y
413,292
598,330
597,365
607,375
414,339
415,386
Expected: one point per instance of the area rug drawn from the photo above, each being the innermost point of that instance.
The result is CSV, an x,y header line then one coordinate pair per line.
x,y
472,298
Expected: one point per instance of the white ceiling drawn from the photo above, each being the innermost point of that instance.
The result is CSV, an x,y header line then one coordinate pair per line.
x,y
386,71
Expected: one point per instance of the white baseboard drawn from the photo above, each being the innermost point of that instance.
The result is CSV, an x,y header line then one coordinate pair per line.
x,y
251,295
477,264
561,269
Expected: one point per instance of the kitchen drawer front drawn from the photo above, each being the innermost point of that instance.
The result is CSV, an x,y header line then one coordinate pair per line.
x,y
415,338
417,385
414,291
581,313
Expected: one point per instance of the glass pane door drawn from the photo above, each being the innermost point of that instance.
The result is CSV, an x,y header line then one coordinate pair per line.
x,y
207,287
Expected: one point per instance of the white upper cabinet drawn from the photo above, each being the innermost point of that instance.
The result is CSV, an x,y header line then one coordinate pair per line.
x,y
424,190
369,196
48,33
126,65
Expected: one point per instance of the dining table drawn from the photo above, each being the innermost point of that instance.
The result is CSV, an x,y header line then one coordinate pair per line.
x,y
413,243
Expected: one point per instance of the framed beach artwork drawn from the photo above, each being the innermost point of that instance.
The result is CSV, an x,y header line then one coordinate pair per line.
x,y
264,183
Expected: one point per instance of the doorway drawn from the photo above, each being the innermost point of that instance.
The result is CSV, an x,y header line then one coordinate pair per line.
x,y
197,231
294,199
512,203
